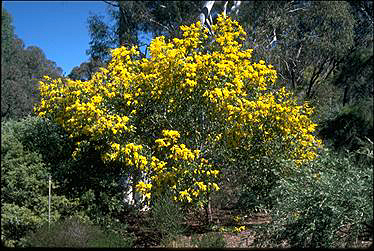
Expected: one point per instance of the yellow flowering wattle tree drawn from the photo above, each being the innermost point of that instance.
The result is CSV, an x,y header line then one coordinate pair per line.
x,y
166,117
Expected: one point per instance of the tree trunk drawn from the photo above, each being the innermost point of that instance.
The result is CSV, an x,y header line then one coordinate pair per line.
x,y
205,16
208,211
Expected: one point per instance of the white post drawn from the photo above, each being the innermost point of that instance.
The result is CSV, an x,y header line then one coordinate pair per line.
x,y
49,201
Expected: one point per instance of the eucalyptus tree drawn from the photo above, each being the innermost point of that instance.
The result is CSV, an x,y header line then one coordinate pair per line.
x,y
306,41
132,17
356,72
155,17
21,68
85,70
210,10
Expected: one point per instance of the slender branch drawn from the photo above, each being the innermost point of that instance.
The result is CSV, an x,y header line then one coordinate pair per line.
x,y
225,8
298,52
163,26
290,11
315,76
110,3
274,41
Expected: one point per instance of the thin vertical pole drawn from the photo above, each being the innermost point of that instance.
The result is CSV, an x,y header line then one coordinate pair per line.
x,y
49,201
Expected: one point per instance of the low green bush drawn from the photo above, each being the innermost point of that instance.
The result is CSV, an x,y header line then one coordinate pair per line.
x,y
44,137
72,232
257,177
34,148
324,204
167,218
209,240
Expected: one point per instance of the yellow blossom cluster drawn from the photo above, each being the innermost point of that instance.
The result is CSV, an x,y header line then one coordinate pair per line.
x,y
189,175
144,189
239,229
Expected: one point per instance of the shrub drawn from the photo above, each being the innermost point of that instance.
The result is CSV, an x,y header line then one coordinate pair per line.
x,y
72,232
324,204
167,218
258,177
24,188
97,190
44,137
209,240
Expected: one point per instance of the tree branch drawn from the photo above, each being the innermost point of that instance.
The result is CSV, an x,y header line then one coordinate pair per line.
x,y
290,11
205,14
163,26
235,7
110,3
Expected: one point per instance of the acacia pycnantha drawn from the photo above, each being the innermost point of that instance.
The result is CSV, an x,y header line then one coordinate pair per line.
x,y
162,115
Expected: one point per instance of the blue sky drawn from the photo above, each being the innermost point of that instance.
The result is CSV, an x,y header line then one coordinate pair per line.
x,y
59,28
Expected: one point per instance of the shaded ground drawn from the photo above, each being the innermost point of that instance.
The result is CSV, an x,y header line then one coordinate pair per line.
x,y
225,218
147,238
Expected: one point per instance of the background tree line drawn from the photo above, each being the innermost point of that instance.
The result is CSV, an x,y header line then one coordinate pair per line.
x,y
21,69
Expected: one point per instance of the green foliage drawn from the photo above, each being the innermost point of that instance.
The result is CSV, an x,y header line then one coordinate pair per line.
x,y
85,70
256,177
42,136
355,75
16,222
101,38
256,182
32,149
72,232
346,128
7,34
98,190
167,218
323,50
24,188
324,204
209,240
130,17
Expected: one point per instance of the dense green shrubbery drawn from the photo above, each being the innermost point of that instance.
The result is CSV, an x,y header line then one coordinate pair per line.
x,y
31,150
73,232
44,137
258,178
323,204
344,129
24,188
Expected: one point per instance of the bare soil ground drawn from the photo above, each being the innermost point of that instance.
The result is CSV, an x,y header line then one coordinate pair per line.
x,y
146,237
225,218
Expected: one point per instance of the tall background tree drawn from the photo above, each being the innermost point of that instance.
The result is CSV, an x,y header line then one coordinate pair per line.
x,y
132,17
21,69
308,42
